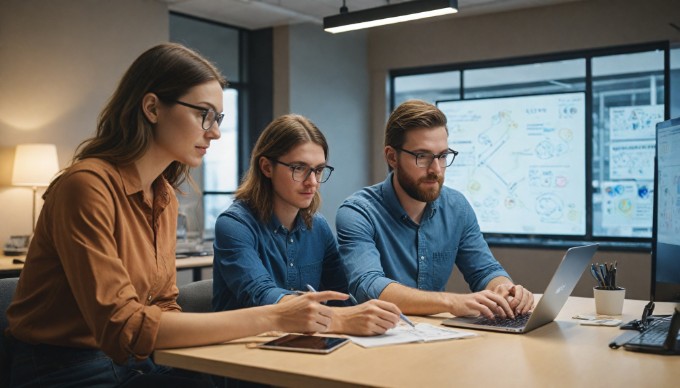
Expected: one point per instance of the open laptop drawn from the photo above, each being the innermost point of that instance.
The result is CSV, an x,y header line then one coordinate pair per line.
x,y
555,296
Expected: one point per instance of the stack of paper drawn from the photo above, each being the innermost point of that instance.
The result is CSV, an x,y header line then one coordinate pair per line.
x,y
423,332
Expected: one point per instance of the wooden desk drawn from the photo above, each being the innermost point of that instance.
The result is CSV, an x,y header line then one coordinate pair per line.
x,y
560,354
9,269
195,263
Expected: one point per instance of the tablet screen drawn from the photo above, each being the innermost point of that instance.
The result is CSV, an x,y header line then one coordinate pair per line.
x,y
305,343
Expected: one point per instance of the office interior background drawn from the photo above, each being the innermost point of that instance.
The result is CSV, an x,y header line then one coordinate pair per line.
x,y
61,60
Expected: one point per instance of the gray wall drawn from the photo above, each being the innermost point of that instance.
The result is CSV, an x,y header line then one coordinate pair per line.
x,y
325,79
566,27
59,63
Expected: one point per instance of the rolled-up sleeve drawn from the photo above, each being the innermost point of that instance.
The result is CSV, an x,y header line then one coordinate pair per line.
x,y
475,260
84,238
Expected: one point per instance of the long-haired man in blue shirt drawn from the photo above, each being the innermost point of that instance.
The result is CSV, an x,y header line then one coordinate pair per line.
x,y
400,239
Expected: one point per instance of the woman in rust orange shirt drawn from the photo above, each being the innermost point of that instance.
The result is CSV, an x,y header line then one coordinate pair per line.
x,y
97,294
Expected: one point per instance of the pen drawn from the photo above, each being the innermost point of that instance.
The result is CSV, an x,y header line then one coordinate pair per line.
x,y
354,301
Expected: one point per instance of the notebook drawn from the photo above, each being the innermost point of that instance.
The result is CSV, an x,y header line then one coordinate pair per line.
x,y
555,296
423,332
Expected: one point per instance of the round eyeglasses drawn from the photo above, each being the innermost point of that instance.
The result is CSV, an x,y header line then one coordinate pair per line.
x,y
425,159
301,171
210,116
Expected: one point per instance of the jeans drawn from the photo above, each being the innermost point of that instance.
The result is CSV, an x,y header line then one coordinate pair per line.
x,y
56,366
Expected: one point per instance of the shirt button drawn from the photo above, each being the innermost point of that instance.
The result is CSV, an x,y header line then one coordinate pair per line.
x,y
422,258
276,231
291,240
149,298
291,264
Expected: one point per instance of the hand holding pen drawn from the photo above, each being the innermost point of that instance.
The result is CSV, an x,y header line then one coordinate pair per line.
x,y
401,315
370,318
605,275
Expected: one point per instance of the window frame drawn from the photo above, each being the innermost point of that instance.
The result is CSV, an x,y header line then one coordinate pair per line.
x,y
607,242
242,88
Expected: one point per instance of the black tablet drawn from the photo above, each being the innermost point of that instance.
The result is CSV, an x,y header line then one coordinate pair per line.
x,y
305,343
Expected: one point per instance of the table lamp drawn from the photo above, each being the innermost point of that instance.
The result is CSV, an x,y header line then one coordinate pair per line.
x,y
34,165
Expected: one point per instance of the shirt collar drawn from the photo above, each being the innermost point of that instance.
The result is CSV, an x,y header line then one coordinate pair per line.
x,y
277,227
394,206
130,177
132,184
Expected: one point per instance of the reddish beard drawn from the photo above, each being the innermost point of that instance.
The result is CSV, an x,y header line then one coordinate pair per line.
x,y
414,190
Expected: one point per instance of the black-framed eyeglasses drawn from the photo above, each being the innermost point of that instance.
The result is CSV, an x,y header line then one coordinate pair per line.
x,y
425,159
301,171
210,116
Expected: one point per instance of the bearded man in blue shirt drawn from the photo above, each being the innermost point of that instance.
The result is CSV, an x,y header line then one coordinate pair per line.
x,y
400,239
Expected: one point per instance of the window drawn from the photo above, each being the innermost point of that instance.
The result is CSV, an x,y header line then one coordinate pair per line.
x,y
218,177
429,87
628,101
619,93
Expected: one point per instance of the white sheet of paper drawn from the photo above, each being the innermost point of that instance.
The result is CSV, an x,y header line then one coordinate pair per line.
x,y
424,332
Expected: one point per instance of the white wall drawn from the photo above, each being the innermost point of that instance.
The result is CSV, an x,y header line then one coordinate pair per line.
x,y
59,63
325,79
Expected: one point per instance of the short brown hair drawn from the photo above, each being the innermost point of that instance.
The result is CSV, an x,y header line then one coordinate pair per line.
x,y
281,135
412,114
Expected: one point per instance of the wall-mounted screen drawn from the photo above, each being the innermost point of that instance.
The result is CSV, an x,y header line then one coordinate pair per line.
x,y
522,162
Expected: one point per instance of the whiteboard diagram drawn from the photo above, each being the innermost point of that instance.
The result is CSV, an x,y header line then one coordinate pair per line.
x,y
634,122
522,162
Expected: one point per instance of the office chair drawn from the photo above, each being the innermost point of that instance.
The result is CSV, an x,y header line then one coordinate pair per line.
x,y
7,287
196,297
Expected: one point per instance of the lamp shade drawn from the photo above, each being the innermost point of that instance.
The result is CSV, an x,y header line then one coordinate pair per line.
x,y
34,165
388,14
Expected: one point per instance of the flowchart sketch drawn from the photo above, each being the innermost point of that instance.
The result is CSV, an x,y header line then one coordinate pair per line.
x,y
634,122
521,162
632,160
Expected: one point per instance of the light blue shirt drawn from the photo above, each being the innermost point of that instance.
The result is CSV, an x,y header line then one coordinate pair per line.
x,y
380,244
257,263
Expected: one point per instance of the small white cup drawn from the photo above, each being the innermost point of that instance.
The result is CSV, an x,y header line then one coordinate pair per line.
x,y
609,302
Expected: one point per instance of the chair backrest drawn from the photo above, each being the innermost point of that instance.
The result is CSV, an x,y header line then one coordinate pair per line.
x,y
7,287
196,297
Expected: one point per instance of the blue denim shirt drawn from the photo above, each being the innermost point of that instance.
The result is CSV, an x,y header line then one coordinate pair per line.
x,y
257,263
380,244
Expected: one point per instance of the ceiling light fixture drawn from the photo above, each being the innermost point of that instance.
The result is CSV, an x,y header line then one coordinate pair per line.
x,y
388,14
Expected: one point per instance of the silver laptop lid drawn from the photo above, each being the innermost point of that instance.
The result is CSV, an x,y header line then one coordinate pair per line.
x,y
561,285
567,274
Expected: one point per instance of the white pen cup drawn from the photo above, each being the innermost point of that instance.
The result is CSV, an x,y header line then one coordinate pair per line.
x,y
609,302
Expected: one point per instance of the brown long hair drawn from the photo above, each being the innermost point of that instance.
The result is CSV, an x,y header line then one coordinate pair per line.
x,y
411,114
124,134
280,136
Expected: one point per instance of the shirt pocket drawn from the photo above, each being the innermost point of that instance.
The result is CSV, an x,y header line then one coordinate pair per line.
x,y
311,274
442,266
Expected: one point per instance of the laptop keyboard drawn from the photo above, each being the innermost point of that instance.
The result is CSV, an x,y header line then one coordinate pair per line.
x,y
654,335
519,321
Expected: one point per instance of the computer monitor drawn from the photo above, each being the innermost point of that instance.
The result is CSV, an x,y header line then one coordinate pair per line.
x,y
666,230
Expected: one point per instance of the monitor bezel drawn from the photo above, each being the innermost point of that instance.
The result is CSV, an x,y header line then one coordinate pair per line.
x,y
660,292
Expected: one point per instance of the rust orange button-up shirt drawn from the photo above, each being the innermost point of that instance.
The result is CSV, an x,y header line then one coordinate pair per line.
x,y
101,265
